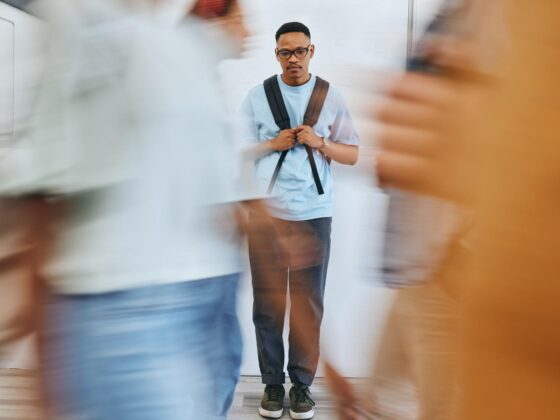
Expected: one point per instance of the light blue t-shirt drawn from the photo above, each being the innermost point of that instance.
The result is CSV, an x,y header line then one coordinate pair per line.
x,y
295,195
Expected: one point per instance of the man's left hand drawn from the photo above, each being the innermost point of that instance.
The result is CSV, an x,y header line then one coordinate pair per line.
x,y
306,135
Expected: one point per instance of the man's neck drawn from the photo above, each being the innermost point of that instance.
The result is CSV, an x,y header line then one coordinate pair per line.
x,y
296,82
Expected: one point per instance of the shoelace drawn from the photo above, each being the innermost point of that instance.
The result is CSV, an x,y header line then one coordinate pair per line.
x,y
274,393
303,395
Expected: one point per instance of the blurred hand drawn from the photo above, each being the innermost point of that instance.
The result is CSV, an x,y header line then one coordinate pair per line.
x,y
426,137
306,135
301,248
346,399
285,140
298,250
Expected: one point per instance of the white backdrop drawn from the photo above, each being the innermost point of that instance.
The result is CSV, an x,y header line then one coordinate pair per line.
x,y
358,42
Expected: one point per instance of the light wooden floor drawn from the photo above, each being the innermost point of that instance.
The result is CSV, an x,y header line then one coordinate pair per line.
x,y
19,399
397,400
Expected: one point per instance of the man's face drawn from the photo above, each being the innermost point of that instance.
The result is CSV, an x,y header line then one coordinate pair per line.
x,y
297,65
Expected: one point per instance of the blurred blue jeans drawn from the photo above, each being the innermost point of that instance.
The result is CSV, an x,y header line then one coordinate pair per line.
x,y
154,353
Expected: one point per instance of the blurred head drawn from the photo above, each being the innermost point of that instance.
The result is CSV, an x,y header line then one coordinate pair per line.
x,y
294,51
210,9
227,15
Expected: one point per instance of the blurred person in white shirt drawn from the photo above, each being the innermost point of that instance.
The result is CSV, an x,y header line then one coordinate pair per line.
x,y
129,142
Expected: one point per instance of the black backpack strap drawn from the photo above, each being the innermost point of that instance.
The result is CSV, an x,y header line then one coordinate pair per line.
x,y
276,103
276,171
311,118
282,119
316,102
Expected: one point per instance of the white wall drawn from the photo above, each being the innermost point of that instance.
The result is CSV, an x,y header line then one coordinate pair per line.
x,y
24,62
6,78
358,42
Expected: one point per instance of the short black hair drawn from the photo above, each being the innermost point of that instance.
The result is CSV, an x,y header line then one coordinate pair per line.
x,y
292,27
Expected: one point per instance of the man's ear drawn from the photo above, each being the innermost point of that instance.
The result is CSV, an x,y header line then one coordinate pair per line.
x,y
312,50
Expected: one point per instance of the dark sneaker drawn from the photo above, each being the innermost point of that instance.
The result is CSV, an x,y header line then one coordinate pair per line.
x,y
272,403
301,404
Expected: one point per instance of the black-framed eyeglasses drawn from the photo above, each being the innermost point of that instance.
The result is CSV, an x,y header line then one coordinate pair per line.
x,y
300,52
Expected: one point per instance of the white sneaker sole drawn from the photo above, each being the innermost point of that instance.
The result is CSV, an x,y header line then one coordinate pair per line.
x,y
302,416
271,414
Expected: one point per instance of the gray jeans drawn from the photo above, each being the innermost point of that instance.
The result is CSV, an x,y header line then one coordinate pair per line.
x,y
273,275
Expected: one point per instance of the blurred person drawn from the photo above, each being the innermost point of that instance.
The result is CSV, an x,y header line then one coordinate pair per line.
x,y
129,145
427,238
292,158
506,173
423,235
511,341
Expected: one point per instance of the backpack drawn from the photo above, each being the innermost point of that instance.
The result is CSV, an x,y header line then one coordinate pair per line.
x,y
282,119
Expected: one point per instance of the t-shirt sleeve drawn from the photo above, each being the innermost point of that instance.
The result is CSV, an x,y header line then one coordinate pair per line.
x,y
342,129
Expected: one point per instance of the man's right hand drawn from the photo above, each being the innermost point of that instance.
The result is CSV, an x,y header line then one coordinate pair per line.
x,y
285,140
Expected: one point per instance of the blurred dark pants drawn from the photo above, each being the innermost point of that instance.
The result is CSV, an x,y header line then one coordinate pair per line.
x,y
163,352
272,272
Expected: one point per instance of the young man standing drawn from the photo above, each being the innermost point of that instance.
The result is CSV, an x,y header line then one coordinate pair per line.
x,y
301,202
